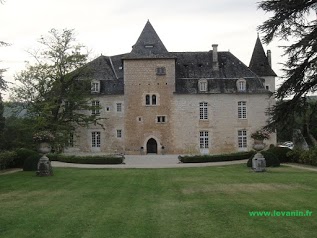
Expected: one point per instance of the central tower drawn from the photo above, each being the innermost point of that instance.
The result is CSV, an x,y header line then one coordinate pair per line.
x,y
149,84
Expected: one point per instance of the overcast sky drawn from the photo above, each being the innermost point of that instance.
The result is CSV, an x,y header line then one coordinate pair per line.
x,y
111,27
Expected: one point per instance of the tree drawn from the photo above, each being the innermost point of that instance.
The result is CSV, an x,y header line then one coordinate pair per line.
x,y
3,87
53,88
292,21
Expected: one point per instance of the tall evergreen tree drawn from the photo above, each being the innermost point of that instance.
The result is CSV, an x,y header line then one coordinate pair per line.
x,y
294,21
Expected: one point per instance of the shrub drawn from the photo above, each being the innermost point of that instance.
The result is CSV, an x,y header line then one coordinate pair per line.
x,y
114,159
215,158
54,156
308,157
22,155
281,153
30,164
270,159
6,159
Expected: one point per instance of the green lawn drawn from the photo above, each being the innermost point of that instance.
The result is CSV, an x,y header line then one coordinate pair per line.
x,y
185,202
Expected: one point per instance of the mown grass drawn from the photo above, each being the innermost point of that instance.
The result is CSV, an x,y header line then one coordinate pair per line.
x,y
187,202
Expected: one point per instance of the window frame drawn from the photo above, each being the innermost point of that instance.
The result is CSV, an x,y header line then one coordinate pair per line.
x,y
161,119
119,133
242,110
95,139
119,106
202,85
204,139
95,86
95,107
151,99
203,111
242,139
160,70
241,85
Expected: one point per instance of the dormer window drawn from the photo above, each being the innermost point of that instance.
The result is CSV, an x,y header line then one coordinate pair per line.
x,y
241,85
95,86
203,85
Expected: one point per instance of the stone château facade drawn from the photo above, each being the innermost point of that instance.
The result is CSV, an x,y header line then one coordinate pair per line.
x,y
156,101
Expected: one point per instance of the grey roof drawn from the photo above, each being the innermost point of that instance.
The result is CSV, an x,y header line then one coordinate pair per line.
x,y
148,45
190,67
199,65
259,63
219,85
109,71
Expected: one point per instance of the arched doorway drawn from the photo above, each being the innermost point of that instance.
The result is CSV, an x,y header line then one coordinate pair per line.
x,y
151,146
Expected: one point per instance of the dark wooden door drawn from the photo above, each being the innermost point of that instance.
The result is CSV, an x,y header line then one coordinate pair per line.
x,y
151,146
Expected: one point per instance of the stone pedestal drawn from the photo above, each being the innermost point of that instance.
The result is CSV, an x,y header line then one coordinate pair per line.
x,y
44,167
258,161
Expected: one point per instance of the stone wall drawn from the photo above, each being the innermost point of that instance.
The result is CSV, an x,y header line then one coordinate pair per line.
x,y
141,123
222,124
112,120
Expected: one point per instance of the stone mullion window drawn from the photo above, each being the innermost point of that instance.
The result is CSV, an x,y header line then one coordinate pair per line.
x,y
150,100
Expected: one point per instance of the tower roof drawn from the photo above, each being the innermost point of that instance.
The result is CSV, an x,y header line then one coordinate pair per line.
x,y
149,45
259,63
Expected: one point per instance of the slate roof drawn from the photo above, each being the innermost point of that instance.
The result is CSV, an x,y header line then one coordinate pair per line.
x,y
259,63
192,66
148,45
189,67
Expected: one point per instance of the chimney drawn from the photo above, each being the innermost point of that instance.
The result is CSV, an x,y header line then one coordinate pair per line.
x,y
215,65
269,59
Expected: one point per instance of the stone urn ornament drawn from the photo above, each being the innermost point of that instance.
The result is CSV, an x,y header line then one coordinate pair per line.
x,y
44,139
258,160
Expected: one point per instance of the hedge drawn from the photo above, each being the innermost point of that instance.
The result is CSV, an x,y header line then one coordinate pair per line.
x,y
281,153
22,155
6,159
30,164
216,158
270,159
114,159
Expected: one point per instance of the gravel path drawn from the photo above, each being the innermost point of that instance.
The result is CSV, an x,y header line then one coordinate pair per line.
x,y
147,161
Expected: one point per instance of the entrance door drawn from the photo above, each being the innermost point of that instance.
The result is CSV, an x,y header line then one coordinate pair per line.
x,y
151,146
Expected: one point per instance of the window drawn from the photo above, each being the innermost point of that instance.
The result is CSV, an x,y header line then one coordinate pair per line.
x,y
153,99
242,110
108,109
160,119
95,139
267,87
71,140
119,107
242,139
203,139
203,85
95,87
119,133
95,108
160,71
147,100
203,111
241,85
150,99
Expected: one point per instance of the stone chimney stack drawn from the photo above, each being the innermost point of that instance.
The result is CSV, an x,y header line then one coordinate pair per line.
x,y
269,58
215,65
